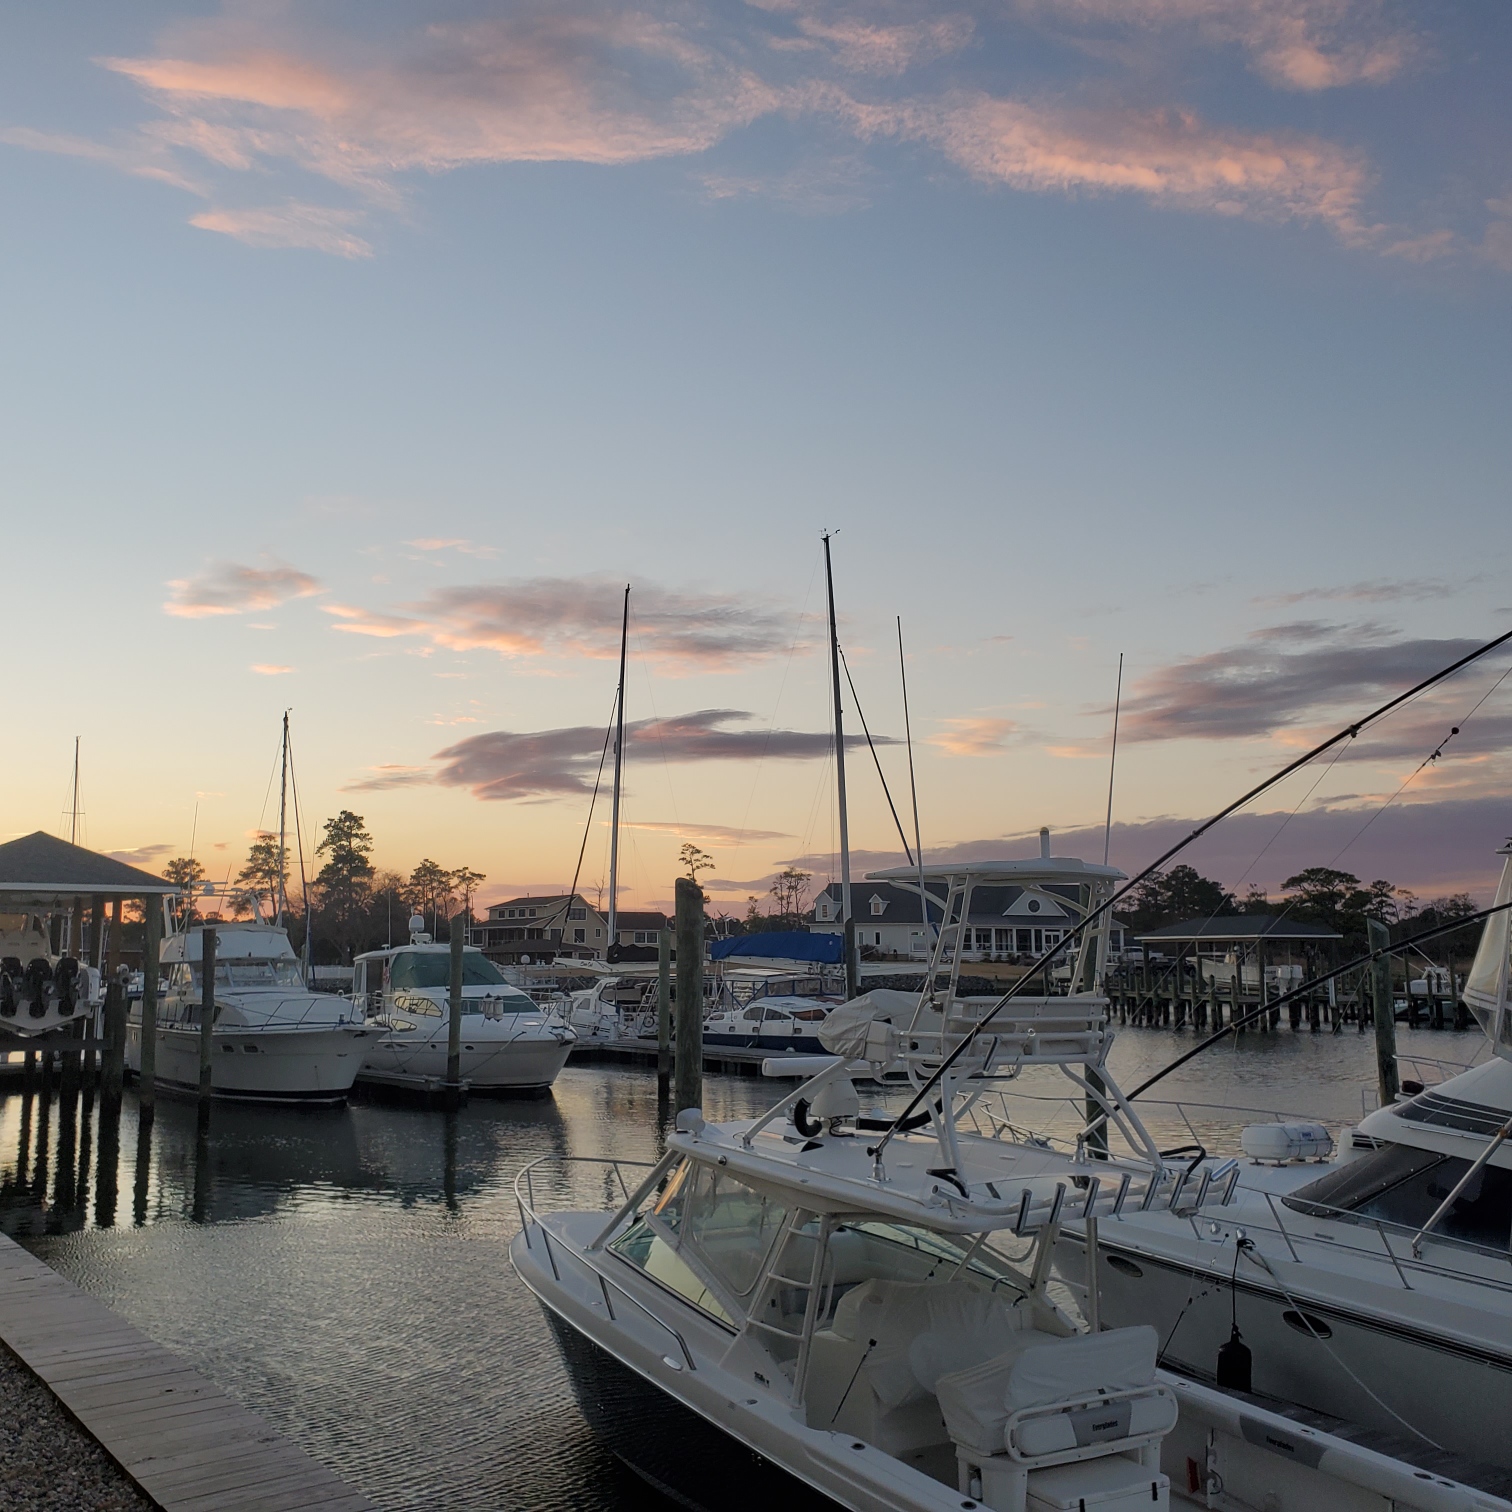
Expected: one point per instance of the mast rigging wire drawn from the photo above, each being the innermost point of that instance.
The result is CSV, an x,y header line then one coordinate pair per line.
x,y
876,760
1349,732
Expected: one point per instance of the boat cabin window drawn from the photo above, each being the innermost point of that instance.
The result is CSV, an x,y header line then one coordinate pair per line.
x,y
718,1230
243,973
421,969
1401,1185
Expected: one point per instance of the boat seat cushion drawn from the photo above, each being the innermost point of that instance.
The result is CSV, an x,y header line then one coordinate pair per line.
x,y
1041,1371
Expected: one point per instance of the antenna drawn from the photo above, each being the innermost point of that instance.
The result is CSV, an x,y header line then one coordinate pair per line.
x,y
73,827
1113,762
619,765
913,787
847,923
283,798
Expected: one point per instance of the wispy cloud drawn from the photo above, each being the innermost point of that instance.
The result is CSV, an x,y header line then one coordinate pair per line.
x,y
504,764
235,588
270,669
318,228
974,737
1293,44
1376,591
581,617
714,834
1170,157
1278,677
142,855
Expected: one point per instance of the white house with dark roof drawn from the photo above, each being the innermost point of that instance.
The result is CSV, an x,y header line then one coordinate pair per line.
x,y
1005,921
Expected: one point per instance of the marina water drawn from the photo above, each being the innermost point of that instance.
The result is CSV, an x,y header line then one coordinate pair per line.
x,y
344,1271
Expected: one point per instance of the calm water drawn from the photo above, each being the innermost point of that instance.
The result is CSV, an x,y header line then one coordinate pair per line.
x,y
344,1272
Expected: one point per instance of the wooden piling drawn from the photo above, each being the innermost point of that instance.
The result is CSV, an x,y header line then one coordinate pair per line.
x,y
207,1019
663,1014
152,929
454,1022
690,946
1388,1078
113,1069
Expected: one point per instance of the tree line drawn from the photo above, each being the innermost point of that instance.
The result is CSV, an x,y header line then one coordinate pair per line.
x,y
353,906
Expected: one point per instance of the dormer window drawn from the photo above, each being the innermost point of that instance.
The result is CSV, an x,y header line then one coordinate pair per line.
x,y
878,906
822,911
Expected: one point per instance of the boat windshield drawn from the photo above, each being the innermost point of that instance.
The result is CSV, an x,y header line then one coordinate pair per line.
x,y
1402,1185
244,974
419,969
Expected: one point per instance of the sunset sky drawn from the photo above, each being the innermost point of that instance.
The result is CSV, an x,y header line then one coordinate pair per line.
x,y
359,354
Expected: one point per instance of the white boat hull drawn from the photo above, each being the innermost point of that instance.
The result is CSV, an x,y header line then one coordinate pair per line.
x,y
316,1065
518,1065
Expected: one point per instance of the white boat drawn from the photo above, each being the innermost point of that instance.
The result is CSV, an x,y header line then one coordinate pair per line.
x,y
1358,1286
40,989
843,1309
509,1043
272,1039
764,1010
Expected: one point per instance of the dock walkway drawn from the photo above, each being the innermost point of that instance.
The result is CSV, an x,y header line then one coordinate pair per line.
x,y
184,1441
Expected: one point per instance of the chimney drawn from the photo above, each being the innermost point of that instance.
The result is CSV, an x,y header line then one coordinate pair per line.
x,y
1044,842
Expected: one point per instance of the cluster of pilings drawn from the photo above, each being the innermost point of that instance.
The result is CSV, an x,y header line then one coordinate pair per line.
x,y
1163,995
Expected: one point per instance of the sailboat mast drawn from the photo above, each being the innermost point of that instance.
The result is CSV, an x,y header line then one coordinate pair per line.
x,y
283,798
847,920
1113,762
619,767
73,827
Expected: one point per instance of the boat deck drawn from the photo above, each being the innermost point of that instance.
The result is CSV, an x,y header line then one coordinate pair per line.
x,y
185,1442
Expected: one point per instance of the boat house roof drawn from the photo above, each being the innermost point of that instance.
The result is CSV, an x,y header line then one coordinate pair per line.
x,y
41,869
1239,928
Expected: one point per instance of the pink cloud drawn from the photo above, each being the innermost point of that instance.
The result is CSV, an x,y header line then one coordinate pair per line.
x,y
888,50
234,588
292,224
1171,158
974,737
270,669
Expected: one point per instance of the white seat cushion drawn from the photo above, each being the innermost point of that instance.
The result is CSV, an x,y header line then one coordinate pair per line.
x,y
1039,1370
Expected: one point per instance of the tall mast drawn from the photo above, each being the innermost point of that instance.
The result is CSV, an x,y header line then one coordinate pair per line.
x,y
913,786
619,767
73,827
283,797
847,921
1113,762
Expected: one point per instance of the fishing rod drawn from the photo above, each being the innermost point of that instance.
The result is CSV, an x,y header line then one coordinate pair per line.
x,y
1349,732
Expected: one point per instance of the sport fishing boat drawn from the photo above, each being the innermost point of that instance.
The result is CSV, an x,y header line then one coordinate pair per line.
x,y
1376,1287
853,1308
273,1040
509,1043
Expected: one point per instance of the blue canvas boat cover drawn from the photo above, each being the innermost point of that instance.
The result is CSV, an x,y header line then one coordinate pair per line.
x,y
783,945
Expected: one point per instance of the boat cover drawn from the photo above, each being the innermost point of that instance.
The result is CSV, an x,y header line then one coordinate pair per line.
x,y
782,945
1037,1371
849,1029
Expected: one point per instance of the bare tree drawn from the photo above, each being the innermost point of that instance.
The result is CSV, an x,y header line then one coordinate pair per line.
x,y
790,893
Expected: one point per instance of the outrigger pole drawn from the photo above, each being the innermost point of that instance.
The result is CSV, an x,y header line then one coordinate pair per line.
x,y
1349,732
847,919
619,766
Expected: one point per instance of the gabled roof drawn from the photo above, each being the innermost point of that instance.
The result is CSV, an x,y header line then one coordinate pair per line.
x,y
643,919
545,900
42,867
1242,927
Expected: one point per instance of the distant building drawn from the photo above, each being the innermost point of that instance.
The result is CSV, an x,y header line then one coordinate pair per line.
x,y
1005,922
638,928
541,928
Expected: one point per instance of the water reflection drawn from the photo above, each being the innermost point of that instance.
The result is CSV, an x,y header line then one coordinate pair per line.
x,y
344,1272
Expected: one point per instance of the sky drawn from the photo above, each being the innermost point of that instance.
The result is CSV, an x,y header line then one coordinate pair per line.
x,y
359,356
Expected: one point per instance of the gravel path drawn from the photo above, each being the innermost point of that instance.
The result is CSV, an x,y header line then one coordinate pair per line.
x,y
47,1462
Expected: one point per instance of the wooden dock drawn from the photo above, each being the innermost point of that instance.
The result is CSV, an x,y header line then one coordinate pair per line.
x,y
189,1446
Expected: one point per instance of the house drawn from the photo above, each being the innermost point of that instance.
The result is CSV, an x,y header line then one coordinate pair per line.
x,y
541,928
638,928
1005,921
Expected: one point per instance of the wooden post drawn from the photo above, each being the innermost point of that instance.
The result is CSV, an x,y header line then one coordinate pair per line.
x,y
113,956
690,923
1388,1079
96,931
207,1018
152,929
663,1014
113,1069
454,1023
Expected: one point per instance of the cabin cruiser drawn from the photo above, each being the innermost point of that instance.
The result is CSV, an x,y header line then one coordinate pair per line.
x,y
509,1044
857,1306
1377,1286
769,1011
273,1040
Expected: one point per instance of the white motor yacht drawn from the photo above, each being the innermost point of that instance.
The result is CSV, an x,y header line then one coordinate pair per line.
x,y
836,1308
1376,1287
509,1043
273,1039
